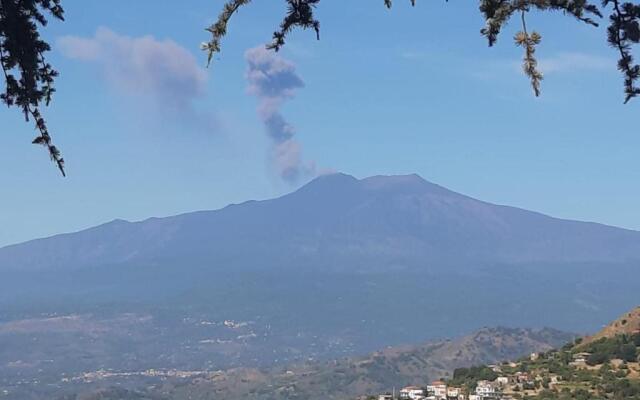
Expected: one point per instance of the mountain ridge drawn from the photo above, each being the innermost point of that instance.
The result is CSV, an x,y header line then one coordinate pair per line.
x,y
626,324
358,215
381,370
368,180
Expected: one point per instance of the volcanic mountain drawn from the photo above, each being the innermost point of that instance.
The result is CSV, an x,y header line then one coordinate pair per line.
x,y
340,266
337,221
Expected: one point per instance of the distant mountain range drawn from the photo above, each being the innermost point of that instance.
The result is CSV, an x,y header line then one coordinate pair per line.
x,y
337,222
341,266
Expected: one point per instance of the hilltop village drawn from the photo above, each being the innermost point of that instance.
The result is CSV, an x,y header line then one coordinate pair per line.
x,y
605,366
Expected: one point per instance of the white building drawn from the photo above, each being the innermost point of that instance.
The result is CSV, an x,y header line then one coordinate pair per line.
x,y
523,377
580,360
502,381
412,393
495,368
487,390
437,390
454,393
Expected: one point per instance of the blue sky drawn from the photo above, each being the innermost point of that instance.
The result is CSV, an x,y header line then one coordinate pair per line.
x,y
148,131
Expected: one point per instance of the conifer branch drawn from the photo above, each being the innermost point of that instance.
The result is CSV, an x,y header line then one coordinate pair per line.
x,y
299,14
622,32
28,76
219,28
44,139
529,64
498,12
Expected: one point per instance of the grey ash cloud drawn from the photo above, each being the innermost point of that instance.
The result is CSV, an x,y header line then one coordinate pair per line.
x,y
274,80
160,70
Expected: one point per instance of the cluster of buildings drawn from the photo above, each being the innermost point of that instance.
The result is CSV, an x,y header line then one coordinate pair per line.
x,y
439,390
102,374
484,390
504,387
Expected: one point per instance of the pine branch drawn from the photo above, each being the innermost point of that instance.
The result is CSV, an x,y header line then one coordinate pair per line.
x,y
219,29
622,32
299,14
530,64
44,139
498,12
29,78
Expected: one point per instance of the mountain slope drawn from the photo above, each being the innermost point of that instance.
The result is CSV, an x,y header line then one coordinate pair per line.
x,y
627,324
377,372
605,368
337,218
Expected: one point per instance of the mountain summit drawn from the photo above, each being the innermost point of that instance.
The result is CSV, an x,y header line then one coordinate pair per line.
x,y
338,220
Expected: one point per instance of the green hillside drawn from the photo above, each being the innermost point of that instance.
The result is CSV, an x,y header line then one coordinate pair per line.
x,y
604,366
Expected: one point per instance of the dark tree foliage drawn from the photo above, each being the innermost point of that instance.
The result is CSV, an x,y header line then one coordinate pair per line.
x,y
603,350
28,76
623,31
470,376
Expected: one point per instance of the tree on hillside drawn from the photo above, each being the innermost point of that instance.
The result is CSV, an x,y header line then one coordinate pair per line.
x,y
29,77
